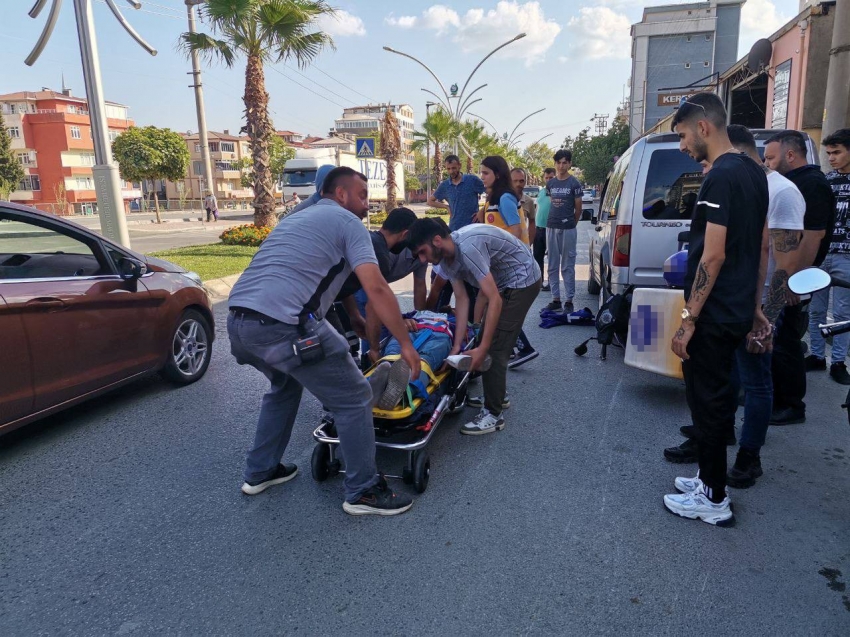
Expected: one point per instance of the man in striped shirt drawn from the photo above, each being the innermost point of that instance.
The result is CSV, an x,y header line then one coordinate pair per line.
x,y
508,279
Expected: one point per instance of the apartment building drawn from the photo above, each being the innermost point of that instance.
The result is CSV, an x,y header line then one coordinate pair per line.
x,y
226,151
363,120
52,139
676,49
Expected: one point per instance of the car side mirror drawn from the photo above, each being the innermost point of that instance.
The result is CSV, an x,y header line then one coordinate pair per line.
x,y
808,281
131,269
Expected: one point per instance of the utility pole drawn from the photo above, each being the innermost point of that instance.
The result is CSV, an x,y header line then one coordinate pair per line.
x,y
837,103
203,140
601,123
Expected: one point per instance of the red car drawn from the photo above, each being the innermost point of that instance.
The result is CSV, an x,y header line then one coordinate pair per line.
x,y
81,315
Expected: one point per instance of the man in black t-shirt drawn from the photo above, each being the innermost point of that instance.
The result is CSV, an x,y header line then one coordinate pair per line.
x,y
785,153
722,297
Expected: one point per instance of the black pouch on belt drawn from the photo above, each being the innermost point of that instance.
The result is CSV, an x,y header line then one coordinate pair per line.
x,y
308,348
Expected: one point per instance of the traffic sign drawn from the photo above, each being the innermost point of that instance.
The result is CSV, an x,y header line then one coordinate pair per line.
x,y
365,146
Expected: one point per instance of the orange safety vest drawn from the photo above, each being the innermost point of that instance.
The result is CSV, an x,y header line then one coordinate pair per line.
x,y
493,217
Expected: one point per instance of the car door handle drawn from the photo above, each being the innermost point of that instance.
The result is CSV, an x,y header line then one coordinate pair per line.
x,y
47,303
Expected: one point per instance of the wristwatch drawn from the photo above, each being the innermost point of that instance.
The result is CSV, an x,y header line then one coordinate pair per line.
x,y
687,316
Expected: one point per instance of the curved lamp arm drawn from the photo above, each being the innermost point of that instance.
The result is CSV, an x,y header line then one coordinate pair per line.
x,y
48,28
495,130
501,46
423,65
129,29
442,103
522,120
463,106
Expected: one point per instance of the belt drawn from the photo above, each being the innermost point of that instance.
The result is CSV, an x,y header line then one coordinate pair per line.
x,y
244,312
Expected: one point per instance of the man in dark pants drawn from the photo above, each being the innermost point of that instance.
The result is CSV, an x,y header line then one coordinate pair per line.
x,y
785,153
542,218
508,280
725,275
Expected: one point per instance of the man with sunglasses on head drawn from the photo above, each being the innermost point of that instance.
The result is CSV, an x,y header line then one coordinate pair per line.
x,y
726,269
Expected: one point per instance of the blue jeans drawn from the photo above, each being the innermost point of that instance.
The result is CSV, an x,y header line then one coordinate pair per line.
x,y
838,265
752,373
336,381
433,351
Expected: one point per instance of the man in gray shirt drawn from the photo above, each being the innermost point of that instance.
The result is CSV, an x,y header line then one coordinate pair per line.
x,y
561,234
508,277
276,325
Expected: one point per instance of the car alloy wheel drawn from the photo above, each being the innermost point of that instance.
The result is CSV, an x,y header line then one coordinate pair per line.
x,y
191,347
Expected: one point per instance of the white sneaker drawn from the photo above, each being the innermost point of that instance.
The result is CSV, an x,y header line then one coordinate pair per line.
x,y
697,506
483,423
462,362
689,485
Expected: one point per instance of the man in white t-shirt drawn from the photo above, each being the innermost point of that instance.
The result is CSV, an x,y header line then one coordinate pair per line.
x,y
786,208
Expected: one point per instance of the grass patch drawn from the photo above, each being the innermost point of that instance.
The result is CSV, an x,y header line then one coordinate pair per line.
x,y
211,261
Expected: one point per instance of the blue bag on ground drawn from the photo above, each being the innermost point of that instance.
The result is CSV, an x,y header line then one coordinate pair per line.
x,y
552,318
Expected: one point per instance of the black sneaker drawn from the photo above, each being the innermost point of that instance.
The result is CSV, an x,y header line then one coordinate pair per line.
x,y
839,374
378,500
545,288
522,357
746,469
283,473
689,431
568,307
554,305
815,363
478,402
684,453
787,416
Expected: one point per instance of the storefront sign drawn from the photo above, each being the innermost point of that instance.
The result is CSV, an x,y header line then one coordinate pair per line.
x,y
781,88
671,99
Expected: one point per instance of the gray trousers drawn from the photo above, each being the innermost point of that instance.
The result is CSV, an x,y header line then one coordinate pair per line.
x,y
562,261
336,381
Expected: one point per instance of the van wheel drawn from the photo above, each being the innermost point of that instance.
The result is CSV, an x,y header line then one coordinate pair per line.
x,y
593,286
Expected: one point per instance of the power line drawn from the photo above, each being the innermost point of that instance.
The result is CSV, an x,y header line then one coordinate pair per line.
x,y
309,79
277,70
371,99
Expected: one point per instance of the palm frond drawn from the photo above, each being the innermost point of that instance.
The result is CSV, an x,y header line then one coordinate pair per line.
x,y
207,46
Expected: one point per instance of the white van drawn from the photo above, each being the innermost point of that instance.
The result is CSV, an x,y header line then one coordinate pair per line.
x,y
647,201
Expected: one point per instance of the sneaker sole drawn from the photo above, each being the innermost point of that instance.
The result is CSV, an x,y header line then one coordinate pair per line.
x,y
795,421
248,489
519,361
397,380
725,522
505,406
743,484
481,432
363,509
678,460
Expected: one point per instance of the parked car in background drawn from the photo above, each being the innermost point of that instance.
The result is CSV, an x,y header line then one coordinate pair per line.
x,y
81,315
647,201
587,203
531,191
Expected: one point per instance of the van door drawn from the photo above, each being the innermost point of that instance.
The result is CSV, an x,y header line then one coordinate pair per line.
x,y
603,237
666,192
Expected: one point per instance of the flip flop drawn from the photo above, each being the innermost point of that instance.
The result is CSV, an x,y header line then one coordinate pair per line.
x,y
397,380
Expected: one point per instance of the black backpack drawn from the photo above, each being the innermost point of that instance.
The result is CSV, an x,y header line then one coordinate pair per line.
x,y
612,323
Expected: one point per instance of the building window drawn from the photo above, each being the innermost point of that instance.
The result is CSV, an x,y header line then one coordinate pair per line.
x,y
228,147
113,134
75,132
226,165
705,64
24,159
30,182
688,39
87,159
708,37
198,167
687,65
197,147
213,147
85,183
14,132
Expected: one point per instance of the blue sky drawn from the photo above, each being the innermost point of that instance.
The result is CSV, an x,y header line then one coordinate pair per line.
x,y
574,62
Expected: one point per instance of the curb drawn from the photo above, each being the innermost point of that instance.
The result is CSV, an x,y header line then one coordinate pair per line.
x,y
219,289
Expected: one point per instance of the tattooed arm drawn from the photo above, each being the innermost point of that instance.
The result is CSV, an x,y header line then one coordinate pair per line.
x,y
713,257
786,252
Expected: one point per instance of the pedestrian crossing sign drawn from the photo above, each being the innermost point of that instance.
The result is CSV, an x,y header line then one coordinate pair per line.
x,y
365,146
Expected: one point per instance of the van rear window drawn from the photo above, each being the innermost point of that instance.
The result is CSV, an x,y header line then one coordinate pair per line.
x,y
672,184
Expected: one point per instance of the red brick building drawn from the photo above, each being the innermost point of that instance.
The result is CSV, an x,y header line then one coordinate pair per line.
x,y
52,139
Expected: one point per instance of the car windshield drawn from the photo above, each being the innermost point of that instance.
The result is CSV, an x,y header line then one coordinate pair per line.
x,y
672,183
531,192
299,177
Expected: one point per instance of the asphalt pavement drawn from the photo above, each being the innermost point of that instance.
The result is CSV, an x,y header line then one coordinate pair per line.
x,y
124,516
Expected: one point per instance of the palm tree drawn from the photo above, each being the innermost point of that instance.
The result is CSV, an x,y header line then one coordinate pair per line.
x,y
438,128
475,141
390,150
263,31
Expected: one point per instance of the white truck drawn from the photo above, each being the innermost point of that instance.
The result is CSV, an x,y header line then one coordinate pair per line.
x,y
299,174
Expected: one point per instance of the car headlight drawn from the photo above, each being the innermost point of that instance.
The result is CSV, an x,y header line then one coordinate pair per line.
x,y
194,277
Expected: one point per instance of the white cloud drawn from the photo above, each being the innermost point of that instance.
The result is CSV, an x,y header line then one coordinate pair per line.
x,y
599,32
483,30
759,19
342,24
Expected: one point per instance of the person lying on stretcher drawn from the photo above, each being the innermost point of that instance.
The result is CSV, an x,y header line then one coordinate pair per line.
x,y
432,335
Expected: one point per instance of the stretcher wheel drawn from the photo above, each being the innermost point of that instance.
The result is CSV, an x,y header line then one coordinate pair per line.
x,y
320,463
421,471
407,476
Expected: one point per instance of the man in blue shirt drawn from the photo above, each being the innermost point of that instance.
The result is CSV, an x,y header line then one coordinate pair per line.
x,y
458,194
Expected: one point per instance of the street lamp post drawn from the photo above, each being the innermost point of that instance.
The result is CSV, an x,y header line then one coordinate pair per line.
x,y
428,106
110,203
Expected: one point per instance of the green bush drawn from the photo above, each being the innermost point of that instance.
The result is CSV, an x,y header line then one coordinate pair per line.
x,y
377,218
247,235
436,212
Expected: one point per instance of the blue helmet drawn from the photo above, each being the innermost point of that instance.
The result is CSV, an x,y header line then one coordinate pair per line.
x,y
675,268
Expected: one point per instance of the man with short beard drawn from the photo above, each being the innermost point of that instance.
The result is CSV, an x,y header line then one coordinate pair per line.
x,y
722,297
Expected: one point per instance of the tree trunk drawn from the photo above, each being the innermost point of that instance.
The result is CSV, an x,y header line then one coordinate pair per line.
x,y
156,206
438,164
259,131
469,163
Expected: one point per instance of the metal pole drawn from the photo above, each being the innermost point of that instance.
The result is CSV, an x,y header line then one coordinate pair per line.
x,y
836,107
110,203
511,136
501,46
428,106
203,140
